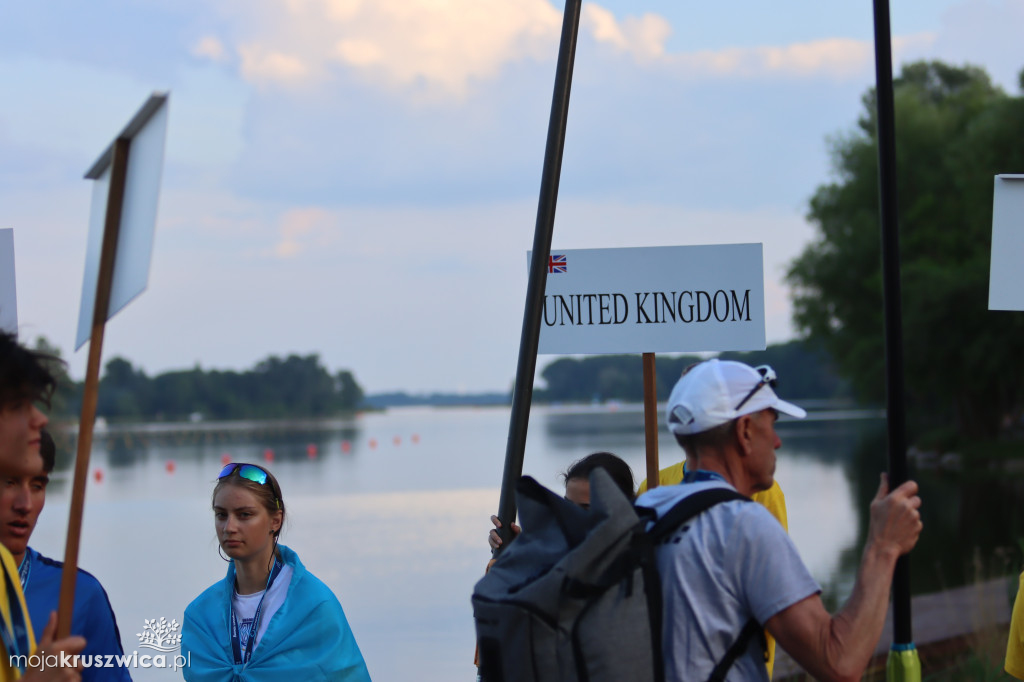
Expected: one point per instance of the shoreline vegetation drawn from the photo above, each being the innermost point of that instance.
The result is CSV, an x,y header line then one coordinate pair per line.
x,y
299,393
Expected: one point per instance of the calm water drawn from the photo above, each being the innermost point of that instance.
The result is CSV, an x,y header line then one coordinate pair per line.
x,y
391,511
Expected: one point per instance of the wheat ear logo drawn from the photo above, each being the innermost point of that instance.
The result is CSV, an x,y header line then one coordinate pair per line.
x,y
161,635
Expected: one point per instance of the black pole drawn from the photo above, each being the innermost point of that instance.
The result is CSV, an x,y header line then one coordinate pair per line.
x,y
892,297
522,394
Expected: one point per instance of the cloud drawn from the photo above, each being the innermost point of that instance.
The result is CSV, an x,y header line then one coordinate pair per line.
x,y
443,48
301,226
834,58
641,37
210,48
396,43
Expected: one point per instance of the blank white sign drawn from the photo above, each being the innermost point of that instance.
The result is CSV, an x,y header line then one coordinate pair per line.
x,y
138,220
1006,277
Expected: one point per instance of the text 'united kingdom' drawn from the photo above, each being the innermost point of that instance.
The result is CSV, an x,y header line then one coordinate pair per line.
x,y
647,307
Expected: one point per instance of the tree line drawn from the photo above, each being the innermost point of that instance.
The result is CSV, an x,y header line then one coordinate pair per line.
x,y
296,386
804,371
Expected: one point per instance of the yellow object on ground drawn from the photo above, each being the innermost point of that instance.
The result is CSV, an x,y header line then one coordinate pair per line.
x,y
904,665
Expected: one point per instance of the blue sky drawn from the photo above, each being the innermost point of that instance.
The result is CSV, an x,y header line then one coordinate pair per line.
x,y
359,178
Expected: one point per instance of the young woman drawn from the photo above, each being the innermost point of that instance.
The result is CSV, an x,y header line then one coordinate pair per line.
x,y
269,618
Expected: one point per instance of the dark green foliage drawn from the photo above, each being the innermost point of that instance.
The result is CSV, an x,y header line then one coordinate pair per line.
x,y
804,372
295,386
955,131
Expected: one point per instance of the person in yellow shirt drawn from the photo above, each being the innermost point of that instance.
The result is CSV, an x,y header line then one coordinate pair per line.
x,y
24,381
773,499
1015,646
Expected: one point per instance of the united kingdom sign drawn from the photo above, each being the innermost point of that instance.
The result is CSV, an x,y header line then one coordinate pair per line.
x,y
667,299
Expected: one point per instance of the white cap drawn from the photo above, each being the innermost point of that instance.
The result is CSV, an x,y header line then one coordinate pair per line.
x,y
708,395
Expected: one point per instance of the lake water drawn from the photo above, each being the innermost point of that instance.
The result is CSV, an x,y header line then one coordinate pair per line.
x,y
391,511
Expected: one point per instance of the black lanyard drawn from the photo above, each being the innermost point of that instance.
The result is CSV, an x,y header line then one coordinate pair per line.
x,y
236,646
15,633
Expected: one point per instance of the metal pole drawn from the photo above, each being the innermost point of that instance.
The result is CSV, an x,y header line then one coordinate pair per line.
x,y
522,394
900,665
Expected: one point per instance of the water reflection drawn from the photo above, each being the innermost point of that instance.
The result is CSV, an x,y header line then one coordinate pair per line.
x,y
390,509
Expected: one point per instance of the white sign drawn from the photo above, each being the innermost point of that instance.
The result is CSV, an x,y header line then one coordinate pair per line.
x,y
1006,277
668,299
8,291
147,132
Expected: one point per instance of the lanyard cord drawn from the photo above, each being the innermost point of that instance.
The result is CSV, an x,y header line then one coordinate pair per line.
x,y
701,475
25,569
236,647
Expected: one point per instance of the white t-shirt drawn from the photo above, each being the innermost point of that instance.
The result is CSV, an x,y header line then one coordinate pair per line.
x,y
245,607
732,563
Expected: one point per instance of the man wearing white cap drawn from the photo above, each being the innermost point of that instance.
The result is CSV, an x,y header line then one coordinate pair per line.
x,y
734,569
773,498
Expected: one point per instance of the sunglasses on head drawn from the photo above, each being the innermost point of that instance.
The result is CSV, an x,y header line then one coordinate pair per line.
x,y
250,472
768,377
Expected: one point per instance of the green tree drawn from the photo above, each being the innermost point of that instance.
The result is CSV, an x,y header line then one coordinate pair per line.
x,y
67,398
955,130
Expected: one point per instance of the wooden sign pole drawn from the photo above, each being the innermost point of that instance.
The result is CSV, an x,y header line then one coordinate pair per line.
x,y
651,420
108,255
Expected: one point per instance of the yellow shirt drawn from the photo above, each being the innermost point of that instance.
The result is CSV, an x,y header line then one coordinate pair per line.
x,y
7,671
1015,645
774,501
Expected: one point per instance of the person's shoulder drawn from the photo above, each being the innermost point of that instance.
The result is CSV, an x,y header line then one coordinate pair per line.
x,y
212,596
305,585
665,497
755,521
83,579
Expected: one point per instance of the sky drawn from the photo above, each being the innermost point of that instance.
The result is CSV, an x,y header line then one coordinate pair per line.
x,y
359,178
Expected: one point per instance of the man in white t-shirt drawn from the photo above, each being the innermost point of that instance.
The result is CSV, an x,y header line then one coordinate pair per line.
x,y
735,563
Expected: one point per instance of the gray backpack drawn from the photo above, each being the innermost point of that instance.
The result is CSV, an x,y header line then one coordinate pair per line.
x,y
577,596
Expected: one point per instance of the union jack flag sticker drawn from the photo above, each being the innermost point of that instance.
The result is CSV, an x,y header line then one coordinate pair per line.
x,y
557,263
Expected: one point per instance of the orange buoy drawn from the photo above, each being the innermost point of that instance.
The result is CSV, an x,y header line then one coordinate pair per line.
x,y
225,459
98,475
311,451
268,455
346,446
373,443
415,438
397,440
169,466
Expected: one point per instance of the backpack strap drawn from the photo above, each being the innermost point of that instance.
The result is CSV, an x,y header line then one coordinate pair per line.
x,y
682,512
690,507
750,630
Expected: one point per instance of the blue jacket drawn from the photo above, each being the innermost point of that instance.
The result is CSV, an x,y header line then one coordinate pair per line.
x,y
92,617
307,639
